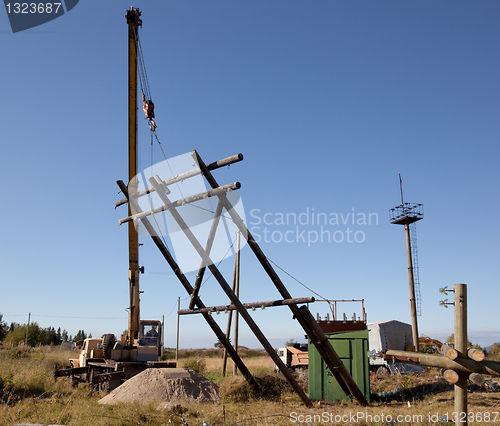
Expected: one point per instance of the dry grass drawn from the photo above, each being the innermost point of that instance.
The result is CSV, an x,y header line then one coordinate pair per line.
x,y
29,395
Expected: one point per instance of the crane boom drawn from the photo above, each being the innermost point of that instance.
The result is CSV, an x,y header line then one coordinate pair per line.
x,y
133,21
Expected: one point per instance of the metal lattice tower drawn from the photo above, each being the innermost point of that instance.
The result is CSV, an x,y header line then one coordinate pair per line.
x,y
416,279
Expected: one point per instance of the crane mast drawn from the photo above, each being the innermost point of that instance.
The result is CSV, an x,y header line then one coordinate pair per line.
x,y
134,22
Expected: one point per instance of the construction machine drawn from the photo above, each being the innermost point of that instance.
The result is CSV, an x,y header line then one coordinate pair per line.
x,y
294,357
107,361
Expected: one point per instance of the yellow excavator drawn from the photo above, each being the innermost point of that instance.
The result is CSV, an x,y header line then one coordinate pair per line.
x,y
426,340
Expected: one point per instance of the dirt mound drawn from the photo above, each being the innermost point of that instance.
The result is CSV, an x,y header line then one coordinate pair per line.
x,y
164,384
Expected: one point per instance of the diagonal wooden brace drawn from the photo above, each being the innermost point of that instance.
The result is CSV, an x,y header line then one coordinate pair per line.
x,y
158,185
139,214
187,286
317,336
208,249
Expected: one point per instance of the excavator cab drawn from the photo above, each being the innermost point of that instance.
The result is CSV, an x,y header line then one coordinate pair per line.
x,y
150,340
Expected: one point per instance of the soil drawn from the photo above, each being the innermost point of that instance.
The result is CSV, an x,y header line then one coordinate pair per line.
x,y
164,384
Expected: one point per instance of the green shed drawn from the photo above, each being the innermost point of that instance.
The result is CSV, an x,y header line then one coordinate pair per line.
x,y
352,348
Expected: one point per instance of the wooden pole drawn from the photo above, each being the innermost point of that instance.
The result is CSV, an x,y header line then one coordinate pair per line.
x,y
413,305
158,185
229,320
27,329
476,354
208,248
228,332
465,365
177,334
182,176
449,351
237,292
461,347
477,378
162,335
451,376
187,286
321,342
191,199
252,305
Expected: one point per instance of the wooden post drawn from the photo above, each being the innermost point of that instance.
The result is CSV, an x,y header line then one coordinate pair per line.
x,y
162,335
475,354
465,365
177,334
477,378
461,347
27,329
449,351
208,248
252,305
451,376
237,293
228,330
158,185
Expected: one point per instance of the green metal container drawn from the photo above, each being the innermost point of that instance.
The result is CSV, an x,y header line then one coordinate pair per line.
x,y
352,348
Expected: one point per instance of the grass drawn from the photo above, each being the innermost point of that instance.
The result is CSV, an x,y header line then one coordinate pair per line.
x,y
28,394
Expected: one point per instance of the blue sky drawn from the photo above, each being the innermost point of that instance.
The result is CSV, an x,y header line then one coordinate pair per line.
x,y
327,101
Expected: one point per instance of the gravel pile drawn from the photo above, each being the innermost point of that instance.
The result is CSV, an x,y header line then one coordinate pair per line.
x,y
164,384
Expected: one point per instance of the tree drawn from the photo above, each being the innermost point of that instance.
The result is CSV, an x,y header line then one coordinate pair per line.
x,y
495,352
64,336
451,340
219,344
34,335
3,328
79,338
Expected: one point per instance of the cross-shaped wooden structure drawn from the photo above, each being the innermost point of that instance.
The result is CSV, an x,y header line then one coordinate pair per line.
x,y
459,364
301,314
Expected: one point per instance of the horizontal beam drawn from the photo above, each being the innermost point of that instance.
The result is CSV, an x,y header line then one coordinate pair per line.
x,y
191,199
254,305
431,360
182,176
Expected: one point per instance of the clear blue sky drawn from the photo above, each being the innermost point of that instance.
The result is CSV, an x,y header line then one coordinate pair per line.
x,y
327,100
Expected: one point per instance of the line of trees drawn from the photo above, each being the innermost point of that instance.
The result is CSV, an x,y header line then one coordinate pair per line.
x,y
35,335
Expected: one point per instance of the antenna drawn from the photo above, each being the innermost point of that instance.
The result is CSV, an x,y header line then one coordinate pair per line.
x,y
401,187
